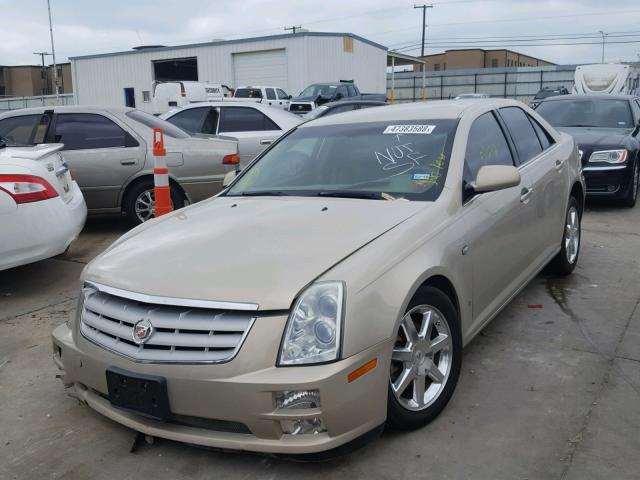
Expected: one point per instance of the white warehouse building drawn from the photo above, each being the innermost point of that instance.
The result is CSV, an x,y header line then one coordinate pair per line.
x,y
290,61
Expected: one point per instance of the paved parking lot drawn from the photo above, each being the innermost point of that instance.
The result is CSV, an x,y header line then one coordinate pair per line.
x,y
545,393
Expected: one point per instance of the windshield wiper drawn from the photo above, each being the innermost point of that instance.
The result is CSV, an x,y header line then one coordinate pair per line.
x,y
263,193
579,126
351,194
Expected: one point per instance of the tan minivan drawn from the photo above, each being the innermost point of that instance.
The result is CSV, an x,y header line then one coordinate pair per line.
x,y
330,288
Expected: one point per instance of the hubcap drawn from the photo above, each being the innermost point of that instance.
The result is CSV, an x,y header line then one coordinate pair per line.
x,y
421,358
145,205
572,235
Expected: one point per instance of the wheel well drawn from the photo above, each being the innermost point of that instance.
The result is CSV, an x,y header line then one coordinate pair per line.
x,y
578,193
143,178
445,286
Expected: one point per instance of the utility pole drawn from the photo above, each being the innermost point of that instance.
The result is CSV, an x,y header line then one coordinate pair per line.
x,y
603,37
424,25
53,54
293,29
44,75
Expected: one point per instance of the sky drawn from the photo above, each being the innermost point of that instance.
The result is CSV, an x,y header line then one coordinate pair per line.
x,y
83,27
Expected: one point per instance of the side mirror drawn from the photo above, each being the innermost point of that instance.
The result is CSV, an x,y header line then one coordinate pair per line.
x,y
496,177
289,97
228,178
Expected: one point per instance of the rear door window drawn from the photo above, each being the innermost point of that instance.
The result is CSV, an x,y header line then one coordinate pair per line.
x,y
191,119
79,131
282,95
24,129
244,119
546,140
486,145
522,133
271,93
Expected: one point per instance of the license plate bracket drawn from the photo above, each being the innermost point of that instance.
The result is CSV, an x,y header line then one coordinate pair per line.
x,y
140,393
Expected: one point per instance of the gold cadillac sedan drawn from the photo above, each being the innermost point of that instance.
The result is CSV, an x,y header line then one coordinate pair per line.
x,y
330,288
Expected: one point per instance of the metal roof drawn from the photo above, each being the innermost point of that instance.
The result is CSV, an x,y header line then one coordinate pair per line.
x,y
399,59
236,41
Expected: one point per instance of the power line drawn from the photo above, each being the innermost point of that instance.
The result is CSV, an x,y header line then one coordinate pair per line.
x,y
625,42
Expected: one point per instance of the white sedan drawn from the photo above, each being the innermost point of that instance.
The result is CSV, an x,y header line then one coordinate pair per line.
x,y
254,125
41,207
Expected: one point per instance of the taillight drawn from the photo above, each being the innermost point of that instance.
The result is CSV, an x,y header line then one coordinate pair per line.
x,y
231,160
27,188
183,92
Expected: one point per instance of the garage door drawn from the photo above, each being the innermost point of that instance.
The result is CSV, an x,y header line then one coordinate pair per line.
x,y
267,67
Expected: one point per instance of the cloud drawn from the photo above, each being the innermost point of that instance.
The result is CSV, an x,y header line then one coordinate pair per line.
x,y
92,26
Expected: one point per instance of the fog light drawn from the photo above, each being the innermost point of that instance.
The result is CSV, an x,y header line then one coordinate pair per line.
x,y
302,426
297,399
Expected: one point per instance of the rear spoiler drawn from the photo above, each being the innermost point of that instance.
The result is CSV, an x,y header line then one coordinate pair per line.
x,y
36,152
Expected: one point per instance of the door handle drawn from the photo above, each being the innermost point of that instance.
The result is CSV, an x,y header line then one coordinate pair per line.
x,y
525,194
127,162
559,165
266,142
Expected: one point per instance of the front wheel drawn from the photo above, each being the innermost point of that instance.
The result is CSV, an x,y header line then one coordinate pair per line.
x,y
567,258
425,361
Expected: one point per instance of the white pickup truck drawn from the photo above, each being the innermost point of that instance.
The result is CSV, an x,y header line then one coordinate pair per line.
x,y
273,96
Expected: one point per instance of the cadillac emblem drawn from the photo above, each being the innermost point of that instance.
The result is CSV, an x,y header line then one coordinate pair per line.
x,y
142,331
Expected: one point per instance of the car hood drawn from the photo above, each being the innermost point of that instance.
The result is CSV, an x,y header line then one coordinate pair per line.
x,y
591,136
245,250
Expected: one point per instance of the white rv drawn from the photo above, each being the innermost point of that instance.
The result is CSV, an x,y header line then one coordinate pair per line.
x,y
606,78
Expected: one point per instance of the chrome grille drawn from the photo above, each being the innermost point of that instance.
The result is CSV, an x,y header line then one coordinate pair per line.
x,y
300,107
180,334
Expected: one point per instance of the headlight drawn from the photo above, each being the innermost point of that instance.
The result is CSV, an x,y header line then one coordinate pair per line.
x,y
609,156
314,326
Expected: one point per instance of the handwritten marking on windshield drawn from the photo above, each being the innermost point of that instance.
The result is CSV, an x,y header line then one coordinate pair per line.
x,y
399,158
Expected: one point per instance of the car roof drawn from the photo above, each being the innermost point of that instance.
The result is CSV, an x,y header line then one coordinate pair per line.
x,y
597,96
68,109
356,102
434,109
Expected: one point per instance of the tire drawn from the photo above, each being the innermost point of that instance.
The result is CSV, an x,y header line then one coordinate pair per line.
x,y
403,411
632,194
567,258
142,194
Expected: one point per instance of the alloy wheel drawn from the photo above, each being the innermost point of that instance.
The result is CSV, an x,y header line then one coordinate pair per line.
x,y
572,235
145,205
421,358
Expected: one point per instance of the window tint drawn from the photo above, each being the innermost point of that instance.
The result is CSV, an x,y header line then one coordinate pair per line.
x,y
210,124
486,145
271,94
342,90
282,95
87,130
522,132
248,93
351,90
636,110
24,129
151,121
244,119
190,119
545,138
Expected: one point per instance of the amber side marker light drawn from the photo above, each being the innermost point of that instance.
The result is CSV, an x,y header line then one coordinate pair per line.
x,y
360,371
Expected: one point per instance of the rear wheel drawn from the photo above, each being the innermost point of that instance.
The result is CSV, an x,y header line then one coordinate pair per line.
x,y
139,202
425,361
632,194
567,258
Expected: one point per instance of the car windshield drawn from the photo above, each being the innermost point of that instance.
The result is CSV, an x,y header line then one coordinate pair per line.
x,y
406,159
248,93
322,90
150,121
601,113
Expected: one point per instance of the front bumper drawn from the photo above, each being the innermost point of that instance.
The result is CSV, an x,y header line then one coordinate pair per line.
x,y
237,393
609,181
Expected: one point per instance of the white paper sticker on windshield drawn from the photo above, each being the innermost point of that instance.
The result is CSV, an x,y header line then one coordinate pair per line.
x,y
402,129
